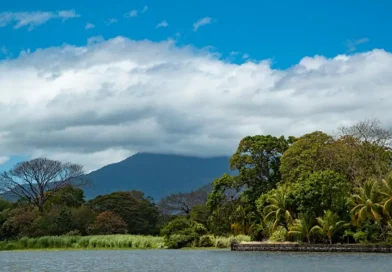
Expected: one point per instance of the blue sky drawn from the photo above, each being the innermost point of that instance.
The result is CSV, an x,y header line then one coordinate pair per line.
x,y
61,99
284,31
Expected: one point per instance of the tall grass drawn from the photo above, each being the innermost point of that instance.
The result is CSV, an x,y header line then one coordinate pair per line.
x,y
118,241
85,242
225,242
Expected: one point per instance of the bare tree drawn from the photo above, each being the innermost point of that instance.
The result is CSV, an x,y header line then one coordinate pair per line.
x,y
39,179
369,131
183,203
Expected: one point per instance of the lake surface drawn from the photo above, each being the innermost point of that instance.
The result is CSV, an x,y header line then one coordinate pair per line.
x,y
190,261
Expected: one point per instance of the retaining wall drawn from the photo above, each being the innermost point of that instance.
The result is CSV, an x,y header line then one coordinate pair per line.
x,y
311,247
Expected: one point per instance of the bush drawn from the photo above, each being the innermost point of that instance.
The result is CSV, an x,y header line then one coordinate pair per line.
x,y
206,241
279,235
360,237
182,232
108,223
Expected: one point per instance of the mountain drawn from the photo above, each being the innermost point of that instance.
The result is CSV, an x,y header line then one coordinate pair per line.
x,y
157,175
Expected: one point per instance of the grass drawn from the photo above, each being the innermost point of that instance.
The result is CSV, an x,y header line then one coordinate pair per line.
x,y
85,242
103,242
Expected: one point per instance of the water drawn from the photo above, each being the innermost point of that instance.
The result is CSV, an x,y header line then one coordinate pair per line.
x,y
190,261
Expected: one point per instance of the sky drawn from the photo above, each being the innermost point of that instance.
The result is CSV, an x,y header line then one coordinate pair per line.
x,y
93,82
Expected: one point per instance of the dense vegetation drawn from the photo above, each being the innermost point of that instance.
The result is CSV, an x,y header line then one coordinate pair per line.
x,y
316,188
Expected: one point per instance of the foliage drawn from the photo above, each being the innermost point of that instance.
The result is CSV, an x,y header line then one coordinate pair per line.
x,y
108,223
279,235
302,227
140,213
367,202
323,190
278,208
182,232
328,225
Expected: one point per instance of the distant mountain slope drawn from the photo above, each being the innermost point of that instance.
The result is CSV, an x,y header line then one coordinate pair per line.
x,y
157,175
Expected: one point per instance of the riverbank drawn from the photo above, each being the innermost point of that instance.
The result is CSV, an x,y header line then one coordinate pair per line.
x,y
120,241
295,247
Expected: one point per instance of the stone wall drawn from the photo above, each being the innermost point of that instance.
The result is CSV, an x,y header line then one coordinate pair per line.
x,y
311,247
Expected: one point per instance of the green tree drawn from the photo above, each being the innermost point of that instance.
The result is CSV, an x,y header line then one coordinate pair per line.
x,y
328,225
278,209
305,156
367,202
324,190
257,160
69,196
386,193
302,227
139,212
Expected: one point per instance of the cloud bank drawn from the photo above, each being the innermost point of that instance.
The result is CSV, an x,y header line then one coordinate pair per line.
x,y
107,100
33,19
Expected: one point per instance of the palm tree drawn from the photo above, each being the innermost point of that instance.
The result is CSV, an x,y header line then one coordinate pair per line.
x,y
302,227
328,225
278,209
387,193
367,202
244,218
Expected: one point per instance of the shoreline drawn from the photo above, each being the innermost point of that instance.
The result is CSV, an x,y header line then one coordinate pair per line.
x,y
295,247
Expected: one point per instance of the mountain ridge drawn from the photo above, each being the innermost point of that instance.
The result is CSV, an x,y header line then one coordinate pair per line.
x,y
157,175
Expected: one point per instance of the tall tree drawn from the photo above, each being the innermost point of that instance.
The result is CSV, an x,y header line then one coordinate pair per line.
x,y
257,160
305,156
38,180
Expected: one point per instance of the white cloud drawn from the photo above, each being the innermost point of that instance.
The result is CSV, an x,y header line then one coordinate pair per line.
x,y
111,21
145,8
89,26
4,159
104,101
245,56
352,45
162,24
132,13
202,22
33,19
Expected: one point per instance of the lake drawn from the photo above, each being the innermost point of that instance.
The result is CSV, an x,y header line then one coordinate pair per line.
x,y
190,261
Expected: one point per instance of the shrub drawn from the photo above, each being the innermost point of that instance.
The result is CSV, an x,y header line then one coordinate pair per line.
x,y
279,235
206,241
360,237
182,232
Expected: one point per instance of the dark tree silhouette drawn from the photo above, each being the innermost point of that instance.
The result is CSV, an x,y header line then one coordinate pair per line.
x,y
39,179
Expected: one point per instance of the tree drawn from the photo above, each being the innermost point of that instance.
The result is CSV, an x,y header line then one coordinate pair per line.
x,y
367,202
323,190
328,225
40,179
302,227
257,160
386,192
278,208
68,196
139,212
305,156
108,223
183,203
370,146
